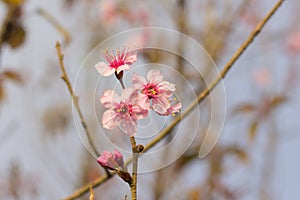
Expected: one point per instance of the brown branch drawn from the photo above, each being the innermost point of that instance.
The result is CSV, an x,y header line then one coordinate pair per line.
x,y
10,14
135,156
199,99
65,77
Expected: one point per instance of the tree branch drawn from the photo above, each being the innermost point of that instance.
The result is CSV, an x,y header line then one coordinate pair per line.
x,y
135,156
65,77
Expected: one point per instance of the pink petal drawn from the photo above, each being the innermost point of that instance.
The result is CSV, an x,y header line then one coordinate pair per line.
x,y
105,158
118,157
138,81
154,76
110,119
139,112
128,126
104,69
131,59
160,104
122,67
107,155
173,109
140,100
126,93
166,86
109,98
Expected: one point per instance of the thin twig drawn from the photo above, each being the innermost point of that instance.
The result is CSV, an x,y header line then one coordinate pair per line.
x,y
64,76
135,156
199,99
54,22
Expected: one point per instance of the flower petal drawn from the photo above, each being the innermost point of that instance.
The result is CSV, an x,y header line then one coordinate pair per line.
x,y
105,160
109,98
104,69
128,126
118,158
154,76
126,93
140,100
173,109
160,104
122,67
131,59
138,81
139,112
110,119
166,87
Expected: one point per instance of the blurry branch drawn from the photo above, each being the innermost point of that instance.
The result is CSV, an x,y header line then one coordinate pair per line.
x,y
7,19
92,195
199,99
270,155
56,24
261,112
218,42
10,14
223,73
65,77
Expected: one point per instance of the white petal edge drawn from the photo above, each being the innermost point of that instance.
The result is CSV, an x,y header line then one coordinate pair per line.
x,y
109,97
131,59
104,69
154,76
110,119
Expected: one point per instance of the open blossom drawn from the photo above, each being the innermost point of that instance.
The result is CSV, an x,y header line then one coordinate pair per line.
x,y
157,91
125,110
116,62
112,161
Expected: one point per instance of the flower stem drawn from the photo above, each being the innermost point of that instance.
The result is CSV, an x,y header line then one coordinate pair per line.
x,y
119,76
122,84
135,156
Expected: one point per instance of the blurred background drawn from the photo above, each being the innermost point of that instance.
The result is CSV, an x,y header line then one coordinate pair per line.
x,y
41,154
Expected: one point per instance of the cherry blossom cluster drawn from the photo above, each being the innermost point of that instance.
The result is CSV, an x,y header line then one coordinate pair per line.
x,y
134,103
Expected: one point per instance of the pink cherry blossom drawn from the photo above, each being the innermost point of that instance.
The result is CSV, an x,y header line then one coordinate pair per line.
x,y
157,91
262,77
116,62
125,110
112,161
108,11
293,42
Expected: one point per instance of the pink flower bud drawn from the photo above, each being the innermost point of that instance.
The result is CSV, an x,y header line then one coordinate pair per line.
x,y
111,161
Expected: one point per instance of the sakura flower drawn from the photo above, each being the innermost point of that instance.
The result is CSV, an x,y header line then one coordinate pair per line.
x,y
125,110
157,90
116,62
112,161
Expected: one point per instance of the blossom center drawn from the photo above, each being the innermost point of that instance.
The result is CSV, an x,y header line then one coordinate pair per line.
x,y
117,59
124,109
150,90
